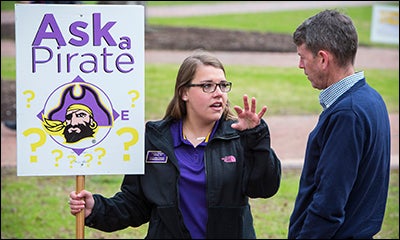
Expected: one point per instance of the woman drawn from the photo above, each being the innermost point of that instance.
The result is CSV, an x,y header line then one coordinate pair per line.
x,y
202,165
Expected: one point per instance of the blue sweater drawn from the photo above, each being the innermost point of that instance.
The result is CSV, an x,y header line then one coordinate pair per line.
x,y
344,183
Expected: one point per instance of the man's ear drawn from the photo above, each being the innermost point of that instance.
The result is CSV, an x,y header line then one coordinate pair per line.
x,y
325,58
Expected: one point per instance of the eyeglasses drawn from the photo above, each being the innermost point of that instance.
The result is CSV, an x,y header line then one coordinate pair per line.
x,y
211,87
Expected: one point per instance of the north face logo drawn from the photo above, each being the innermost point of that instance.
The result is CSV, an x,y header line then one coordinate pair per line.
x,y
228,159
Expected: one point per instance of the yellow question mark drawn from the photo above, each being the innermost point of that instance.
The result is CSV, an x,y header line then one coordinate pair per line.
x,y
103,152
90,157
60,154
135,138
32,93
35,145
136,96
73,159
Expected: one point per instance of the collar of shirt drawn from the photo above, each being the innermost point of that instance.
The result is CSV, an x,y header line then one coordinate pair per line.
x,y
329,95
177,134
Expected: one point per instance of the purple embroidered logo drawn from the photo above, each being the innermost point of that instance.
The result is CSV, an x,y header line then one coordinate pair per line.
x,y
229,159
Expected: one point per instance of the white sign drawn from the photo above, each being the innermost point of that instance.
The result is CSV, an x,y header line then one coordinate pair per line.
x,y
80,89
385,24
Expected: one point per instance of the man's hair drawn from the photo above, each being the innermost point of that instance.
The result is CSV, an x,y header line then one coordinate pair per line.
x,y
332,31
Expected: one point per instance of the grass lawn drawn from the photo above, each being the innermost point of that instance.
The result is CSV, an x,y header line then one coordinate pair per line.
x,y
36,207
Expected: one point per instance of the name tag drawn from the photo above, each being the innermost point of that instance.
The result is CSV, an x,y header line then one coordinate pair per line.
x,y
156,157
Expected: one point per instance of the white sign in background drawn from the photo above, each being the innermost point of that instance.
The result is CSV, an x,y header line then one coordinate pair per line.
x,y
385,24
80,89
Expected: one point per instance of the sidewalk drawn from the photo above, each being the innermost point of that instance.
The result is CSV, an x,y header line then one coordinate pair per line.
x,y
248,7
367,58
233,7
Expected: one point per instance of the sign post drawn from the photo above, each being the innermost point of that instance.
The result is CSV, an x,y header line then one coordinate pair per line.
x,y
80,217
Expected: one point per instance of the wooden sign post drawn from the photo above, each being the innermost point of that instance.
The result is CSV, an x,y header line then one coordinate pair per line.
x,y
80,217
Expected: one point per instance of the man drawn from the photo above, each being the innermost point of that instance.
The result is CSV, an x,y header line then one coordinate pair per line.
x,y
344,183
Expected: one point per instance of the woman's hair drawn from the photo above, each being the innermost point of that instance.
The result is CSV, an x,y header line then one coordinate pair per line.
x,y
177,107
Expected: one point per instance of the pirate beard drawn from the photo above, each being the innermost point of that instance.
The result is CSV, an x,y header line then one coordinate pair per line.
x,y
72,135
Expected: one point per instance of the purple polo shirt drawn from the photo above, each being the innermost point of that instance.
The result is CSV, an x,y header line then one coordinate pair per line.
x,y
192,182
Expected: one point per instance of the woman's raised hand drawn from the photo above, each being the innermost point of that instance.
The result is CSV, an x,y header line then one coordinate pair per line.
x,y
247,117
